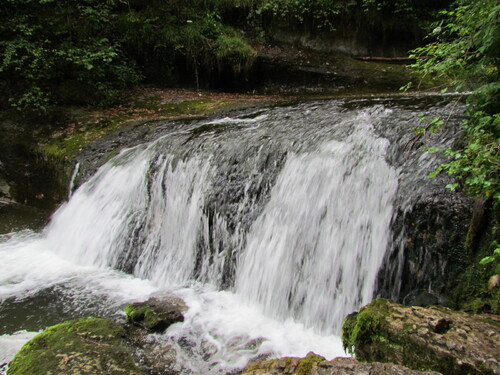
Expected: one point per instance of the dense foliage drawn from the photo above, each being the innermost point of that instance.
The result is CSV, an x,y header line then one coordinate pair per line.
x,y
326,14
86,51
172,37
57,49
466,52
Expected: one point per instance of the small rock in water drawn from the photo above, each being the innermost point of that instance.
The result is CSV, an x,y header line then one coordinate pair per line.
x,y
156,314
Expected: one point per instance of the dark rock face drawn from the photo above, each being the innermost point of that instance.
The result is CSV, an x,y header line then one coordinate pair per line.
x,y
26,177
316,365
287,70
430,241
156,314
434,338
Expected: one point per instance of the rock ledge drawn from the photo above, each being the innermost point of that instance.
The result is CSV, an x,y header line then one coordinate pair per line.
x,y
434,338
314,364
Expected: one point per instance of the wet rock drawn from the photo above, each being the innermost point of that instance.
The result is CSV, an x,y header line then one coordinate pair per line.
x,y
434,338
156,314
313,364
84,346
5,188
156,355
286,70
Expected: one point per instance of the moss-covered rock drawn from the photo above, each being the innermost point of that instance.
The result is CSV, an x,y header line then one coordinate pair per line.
x,y
366,326
155,314
85,346
286,365
314,364
434,338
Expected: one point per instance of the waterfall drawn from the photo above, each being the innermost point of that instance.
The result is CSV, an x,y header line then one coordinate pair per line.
x,y
272,225
315,251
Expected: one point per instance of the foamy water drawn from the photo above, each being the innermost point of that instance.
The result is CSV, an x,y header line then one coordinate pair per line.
x,y
220,318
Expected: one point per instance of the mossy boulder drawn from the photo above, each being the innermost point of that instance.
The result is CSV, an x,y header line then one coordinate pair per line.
x,y
156,314
85,346
434,338
285,365
314,364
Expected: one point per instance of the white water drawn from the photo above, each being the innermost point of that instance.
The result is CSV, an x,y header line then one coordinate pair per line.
x,y
72,180
310,258
10,345
315,251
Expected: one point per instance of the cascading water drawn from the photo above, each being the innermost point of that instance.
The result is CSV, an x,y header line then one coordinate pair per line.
x,y
315,251
287,209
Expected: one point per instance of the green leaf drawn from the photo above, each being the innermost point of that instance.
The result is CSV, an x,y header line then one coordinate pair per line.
x,y
487,259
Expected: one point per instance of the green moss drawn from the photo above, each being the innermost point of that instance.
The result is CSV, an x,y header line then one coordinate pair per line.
x,y
94,126
288,365
471,292
83,346
306,365
144,315
232,49
366,326
65,148
286,362
188,107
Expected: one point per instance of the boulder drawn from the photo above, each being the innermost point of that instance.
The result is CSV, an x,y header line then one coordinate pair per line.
x,y
433,338
85,346
313,364
157,313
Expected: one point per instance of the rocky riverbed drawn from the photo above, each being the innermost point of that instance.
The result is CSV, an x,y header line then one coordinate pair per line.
x,y
384,336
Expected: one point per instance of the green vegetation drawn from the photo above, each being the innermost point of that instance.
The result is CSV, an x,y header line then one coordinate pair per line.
x,y
152,316
288,365
495,258
142,314
327,14
61,52
320,14
365,326
187,38
87,126
85,52
466,52
472,293
306,364
83,346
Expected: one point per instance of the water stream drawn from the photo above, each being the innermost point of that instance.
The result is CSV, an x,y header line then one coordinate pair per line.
x,y
272,225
